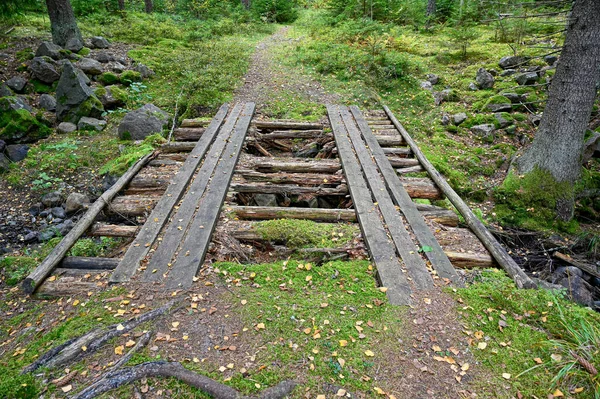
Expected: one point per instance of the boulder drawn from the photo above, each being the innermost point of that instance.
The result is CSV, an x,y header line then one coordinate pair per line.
x,y
65,227
143,122
426,85
445,119
498,104
74,44
86,123
512,61
527,78
578,289
90,66
5,91
484,79
47,235
117,67
43,70
508,72
147,72
551,59
591,148
485,131
502,121
75,98
99,42
513,97
17,124
76,202
265,200
443,96
58,212
48,102
16,103
2,146
459,118
17,152
17,83
4,163
431,77
66,127
52,199
111,97
103,57
49,49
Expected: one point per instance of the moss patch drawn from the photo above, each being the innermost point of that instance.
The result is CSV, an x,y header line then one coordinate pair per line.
x,y
108,78
19,125
305,233
128,77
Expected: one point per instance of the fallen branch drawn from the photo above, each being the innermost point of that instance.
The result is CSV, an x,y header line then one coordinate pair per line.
x,y
124,376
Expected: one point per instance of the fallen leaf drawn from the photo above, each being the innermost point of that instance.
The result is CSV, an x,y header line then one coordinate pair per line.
x,y
341,392
379,391
558,394
482,345
538,360
556,357
67,388
343,342
465,367
130,343
120,327
506,376
369,353
383,289
260,326
119,350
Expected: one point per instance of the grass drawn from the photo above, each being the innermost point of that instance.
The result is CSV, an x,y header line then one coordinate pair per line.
x,y
305,233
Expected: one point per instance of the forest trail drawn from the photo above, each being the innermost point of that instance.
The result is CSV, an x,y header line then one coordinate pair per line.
x,y
268,81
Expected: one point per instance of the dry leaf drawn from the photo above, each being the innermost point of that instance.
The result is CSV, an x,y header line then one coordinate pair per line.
x,y
556,357
343,342
558,394
482,345
369,353
119,350
341,392
67,388
130,343
506,376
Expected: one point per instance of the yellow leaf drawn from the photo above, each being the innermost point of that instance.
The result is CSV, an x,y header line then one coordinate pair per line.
x,y
506,376
558,394
427,301
578,390
341,392
479,334
482,345
243,302
343,342
175,324
196,360
67,388
379,391
257,385
260,326
369,353
76,302
538,360
436,348
120,327
321,397
556,357
307,330
341,361
51,278
465,367
119,350
308,278
383,289
130,343
84,348
317,336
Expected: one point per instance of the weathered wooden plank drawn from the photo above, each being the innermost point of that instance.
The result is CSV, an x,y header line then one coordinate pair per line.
x,y
36,277
182,146
279,125
86,263
194,247
260,188
292,134
410,169
188,133
424,235
406,248
294,166
304,179
380,246
403,162
194,123
489,241
398,151
176,229
158,217
112,230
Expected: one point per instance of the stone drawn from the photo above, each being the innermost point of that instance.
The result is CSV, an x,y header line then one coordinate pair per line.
x,y
493,72
75,98
143,122
535,119
16,103
108,78
35,209
513,97
117,67
31,236
551,59
52,199
473,86
49,49
443,96
5,91
485,131
17,124
43,70
512,61
445,120
146,72
527,78
76,202
591,147
65,227
17,83
99,42
433,78
426,85
47,235
66,127
578,289
48,102
459,118
4,163
86,123
103,57
265,200
74,44
108,181
2,145
58,212
502,121
484,79
498,103
112,97
90,66
512,129
17,152
508,72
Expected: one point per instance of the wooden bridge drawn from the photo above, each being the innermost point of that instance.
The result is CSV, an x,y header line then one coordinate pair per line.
x,y
361,168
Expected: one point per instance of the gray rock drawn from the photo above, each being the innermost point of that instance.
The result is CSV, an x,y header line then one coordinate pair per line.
x,y
74,45
508,72
265,200
16,103
473,86
493,72
17,83
52,199
426,85
108,181
31,236
58,212
109,101
47,102
5,91
143,122
486,131
117,67
147,72
512,129
535,119
99,42
43,70
512,61
566,271
445,119
484,79
578,289
35,209
551,59
76,202
499,107
49,49
527,78
86,123
66,127
513,97
2,145
591,148
502,121
65,227
75,98
442,96
47,235
17,152
104,57
459,118
90,66
431,77
4,163
4,56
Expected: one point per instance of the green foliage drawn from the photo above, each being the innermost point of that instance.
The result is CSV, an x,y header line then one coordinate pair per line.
x,y
14,385
462,37
305,233
92,247
108,78
281,11
16,268
131,155
20,123
129,77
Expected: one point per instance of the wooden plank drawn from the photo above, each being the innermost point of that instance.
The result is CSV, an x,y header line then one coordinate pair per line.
x,y
194,247
40,273
176,229
381,248
86,263
402,162
436,255
279,125
188,133
265,188
489,241
304,179
294,166
112,230
158,217
292,134
406,248
410,169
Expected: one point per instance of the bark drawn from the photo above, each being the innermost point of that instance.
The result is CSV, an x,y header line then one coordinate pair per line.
x,y
149,6
246,4
431,7
62,22
121,5
558,144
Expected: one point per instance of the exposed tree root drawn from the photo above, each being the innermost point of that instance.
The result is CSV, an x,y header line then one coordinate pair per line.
x,y
124,376
93,340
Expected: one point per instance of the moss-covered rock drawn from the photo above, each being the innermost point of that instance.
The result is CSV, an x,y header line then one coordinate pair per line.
x,y
41,87
498,103
84,52
19,125
128,77
108,78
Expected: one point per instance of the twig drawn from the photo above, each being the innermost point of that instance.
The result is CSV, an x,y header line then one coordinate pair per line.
x,y
175,117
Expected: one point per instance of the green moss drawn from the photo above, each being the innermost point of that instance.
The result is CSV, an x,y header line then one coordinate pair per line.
x,y
132,154
84,52
498,99
41,87
519,117
18,124
128,77
25,54
303,233
91,107
118,93
478,119
100,91
16,268
108,78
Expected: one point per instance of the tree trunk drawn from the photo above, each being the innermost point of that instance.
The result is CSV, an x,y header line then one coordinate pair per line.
x,y
431,7
246,4
558,145
121,5
62,22
149,6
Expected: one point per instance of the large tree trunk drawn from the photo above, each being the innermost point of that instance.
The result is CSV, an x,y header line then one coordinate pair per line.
x,y
62,21
246,4
149,6
431,8
121,5
558,145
